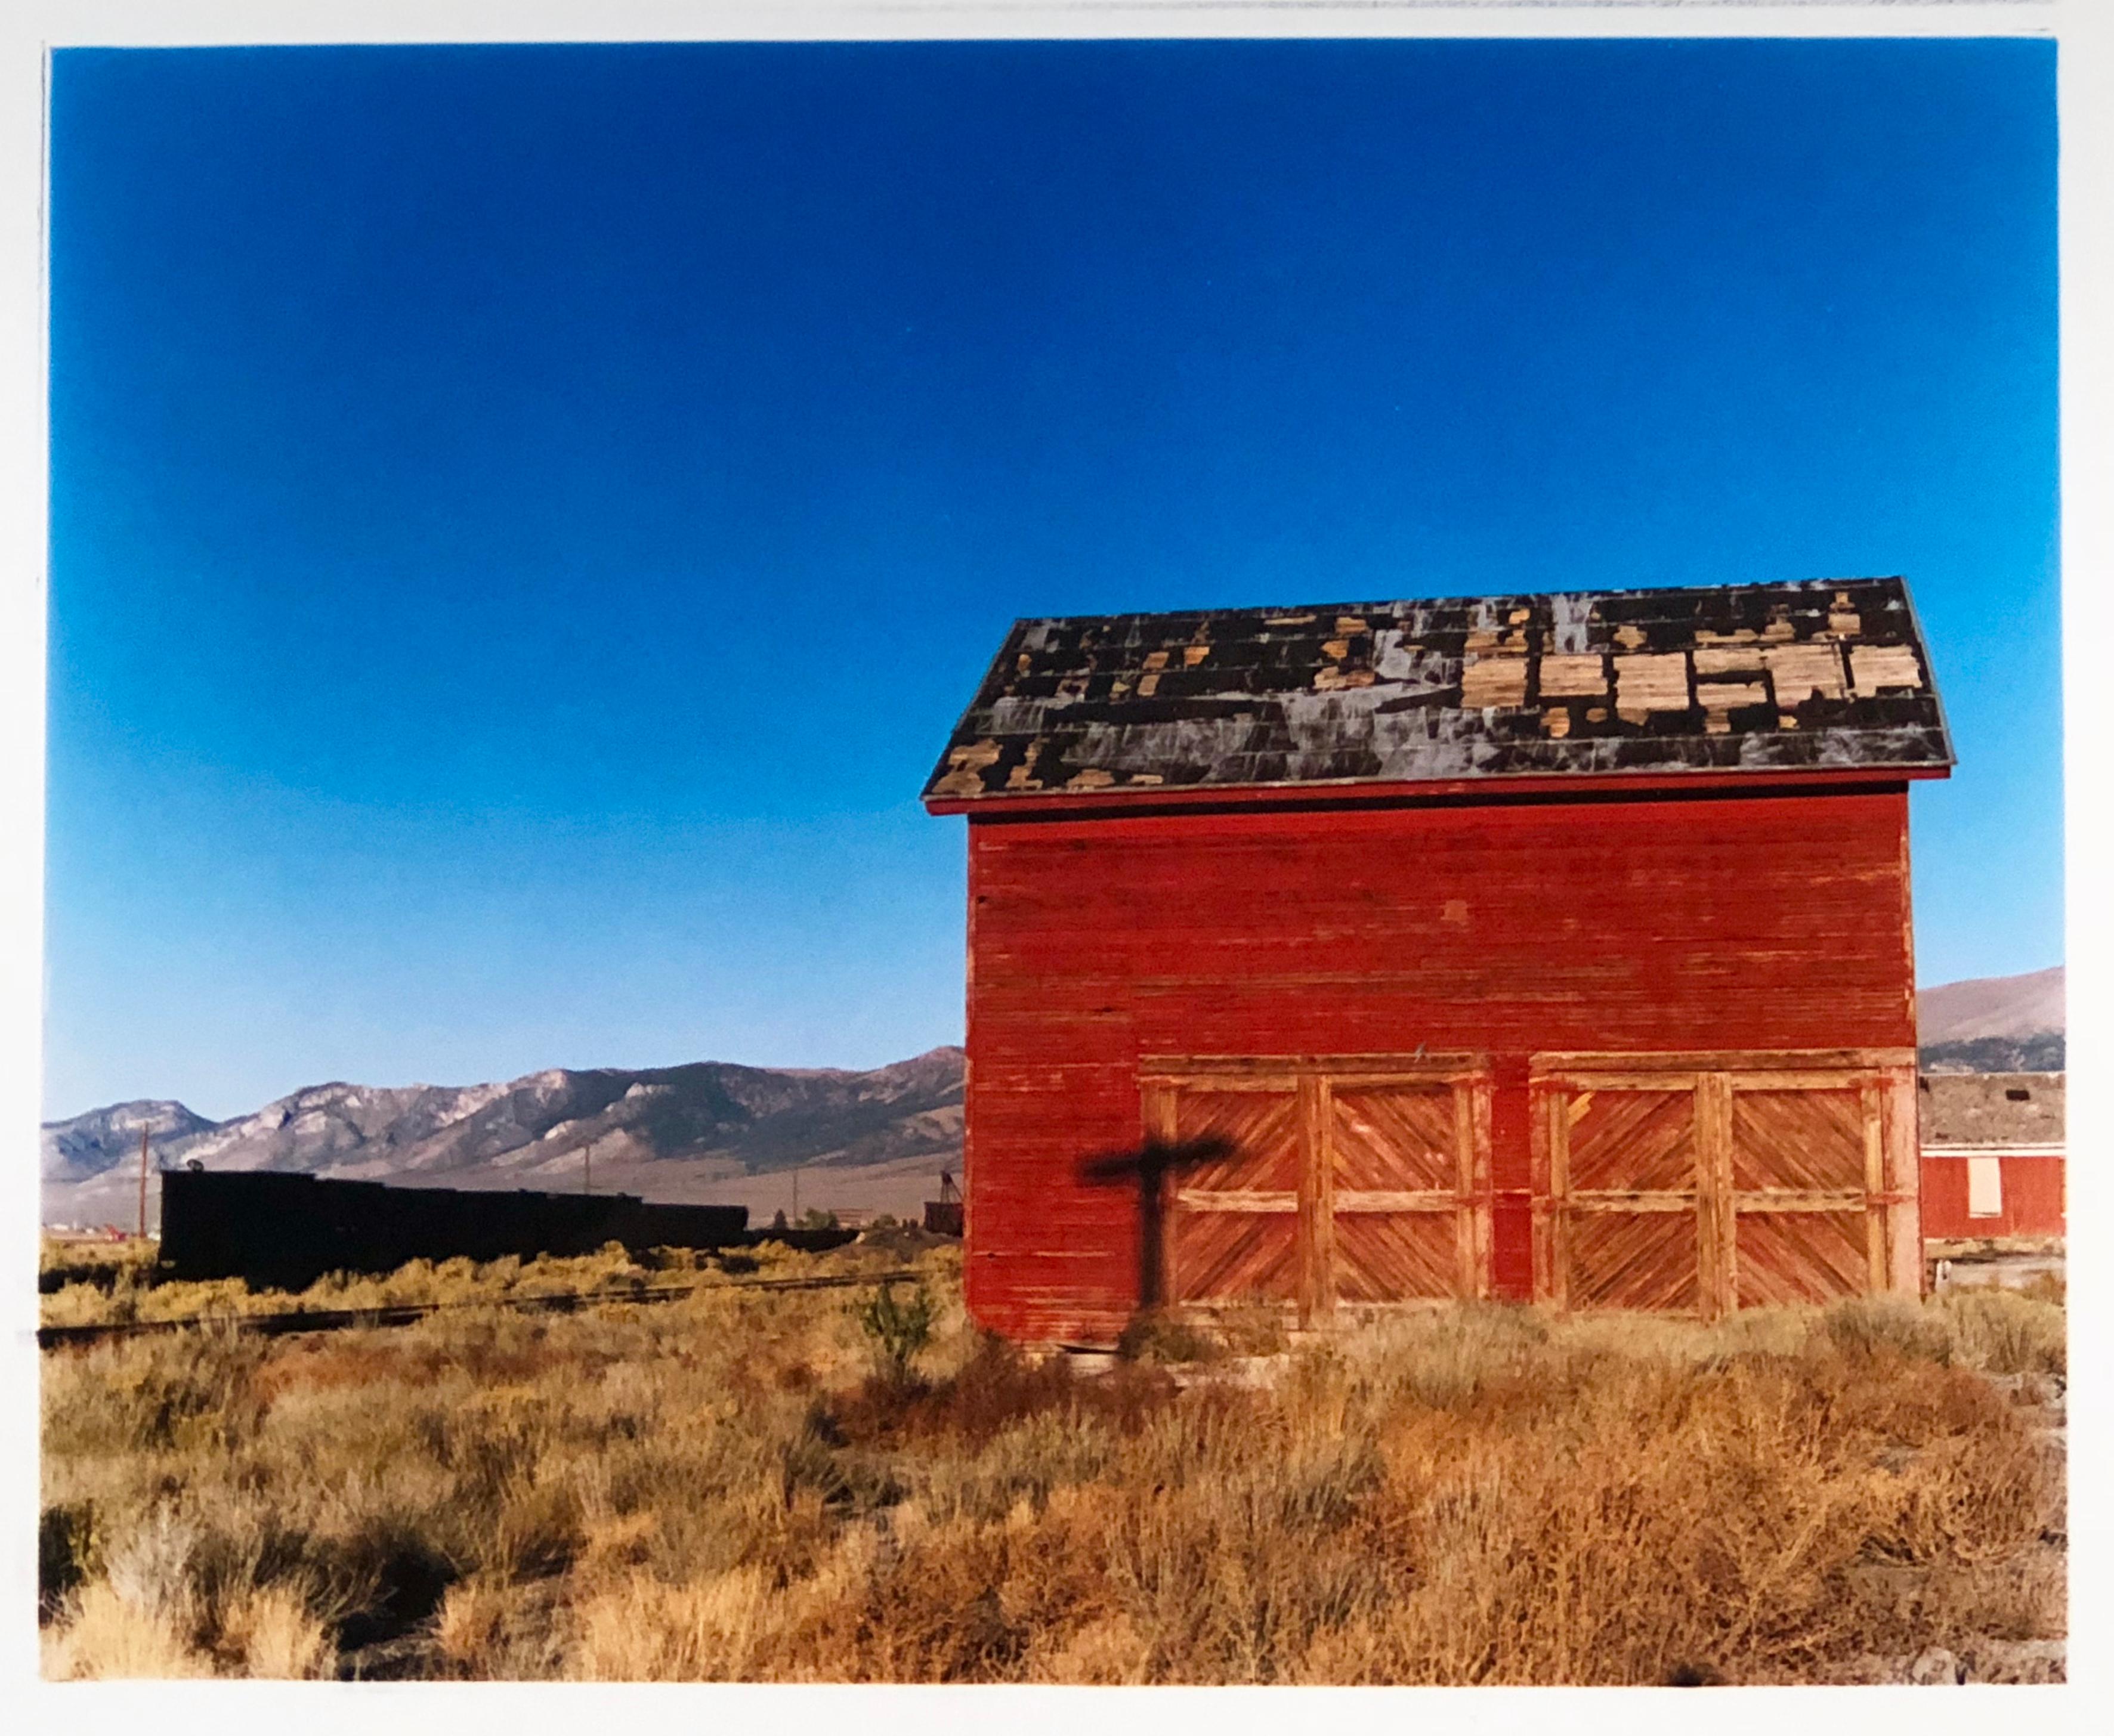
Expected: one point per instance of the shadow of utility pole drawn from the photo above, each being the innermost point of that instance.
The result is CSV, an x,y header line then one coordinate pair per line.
x,y
1149,1169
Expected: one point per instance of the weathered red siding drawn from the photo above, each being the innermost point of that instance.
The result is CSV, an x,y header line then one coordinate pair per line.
x,y
1750,922
2033,1198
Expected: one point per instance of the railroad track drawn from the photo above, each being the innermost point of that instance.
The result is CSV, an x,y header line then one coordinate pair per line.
x,y
405,1313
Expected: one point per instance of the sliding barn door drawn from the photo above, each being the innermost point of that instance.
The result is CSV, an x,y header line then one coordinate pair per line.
x,y
1313,1181
1234,1231
1407,1211
1622,1203
1699,1184
1811,1196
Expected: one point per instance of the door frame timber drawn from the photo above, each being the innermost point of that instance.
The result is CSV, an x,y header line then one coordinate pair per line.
x,y
1885,1080
1313,1079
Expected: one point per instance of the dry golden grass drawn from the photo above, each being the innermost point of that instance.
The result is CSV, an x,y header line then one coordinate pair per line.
x,y
723,1487
96,1283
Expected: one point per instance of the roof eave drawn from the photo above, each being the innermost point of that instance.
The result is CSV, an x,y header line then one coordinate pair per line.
x,y
1645,781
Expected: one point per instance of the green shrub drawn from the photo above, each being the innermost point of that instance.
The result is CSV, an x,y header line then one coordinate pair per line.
x,y
899,1330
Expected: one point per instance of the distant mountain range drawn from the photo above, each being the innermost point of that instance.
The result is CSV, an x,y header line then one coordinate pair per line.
x,y
681,1133
713,1131
1993,1024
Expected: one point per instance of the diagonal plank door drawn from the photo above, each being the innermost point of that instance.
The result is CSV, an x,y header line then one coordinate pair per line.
x,y
1363,1179
1700,1184
1405,1210
1617,1219
1808,1186
1235,1228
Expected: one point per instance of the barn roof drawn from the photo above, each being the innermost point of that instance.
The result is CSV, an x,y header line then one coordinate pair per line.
x,y
1821,673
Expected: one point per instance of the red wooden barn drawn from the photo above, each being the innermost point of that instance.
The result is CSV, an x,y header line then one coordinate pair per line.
x,y
1544,945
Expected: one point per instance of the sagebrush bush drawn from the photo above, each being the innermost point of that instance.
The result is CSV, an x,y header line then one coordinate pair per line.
x,y
1154,1336
2007,1331
899,1327
1867,1324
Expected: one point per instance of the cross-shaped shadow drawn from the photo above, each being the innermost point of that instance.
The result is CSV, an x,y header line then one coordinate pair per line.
x,y
1149,1169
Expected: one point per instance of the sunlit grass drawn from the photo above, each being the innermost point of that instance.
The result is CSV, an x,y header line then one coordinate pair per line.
x,y
726,1486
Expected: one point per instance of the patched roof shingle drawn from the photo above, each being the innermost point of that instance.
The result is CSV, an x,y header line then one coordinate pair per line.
x,y
1823,673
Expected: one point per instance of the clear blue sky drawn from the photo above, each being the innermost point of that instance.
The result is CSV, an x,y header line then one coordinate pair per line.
x,y
523,520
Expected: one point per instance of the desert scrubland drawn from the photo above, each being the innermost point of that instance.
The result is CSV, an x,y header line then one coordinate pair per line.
x,y
737,1485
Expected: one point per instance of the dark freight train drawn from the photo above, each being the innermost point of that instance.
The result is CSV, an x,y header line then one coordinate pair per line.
x,y
287,1230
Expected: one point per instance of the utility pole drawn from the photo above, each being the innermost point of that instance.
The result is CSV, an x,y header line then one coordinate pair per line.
x,y
587,1169
143,1182
796,1196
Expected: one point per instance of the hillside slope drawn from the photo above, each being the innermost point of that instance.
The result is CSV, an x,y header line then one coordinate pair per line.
x,y
671,1133
1994,1024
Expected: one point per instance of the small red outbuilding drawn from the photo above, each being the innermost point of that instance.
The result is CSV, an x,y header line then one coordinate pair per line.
x,y
1993,1156
1547,946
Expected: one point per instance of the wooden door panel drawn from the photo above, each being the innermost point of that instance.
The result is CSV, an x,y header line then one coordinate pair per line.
x,y
1235,1225
1633,1260
1618,1200
1235,1256
1801,1141
1796,1153
1787,1257
1633,1140
1404,1199
1395,1138
1398,1256
1363,1178
1728,1182
1262,1128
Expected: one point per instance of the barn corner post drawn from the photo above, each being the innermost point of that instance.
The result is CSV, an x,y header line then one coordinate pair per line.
x,y
1878,1228
1900,1143
971,1299
1450,951
1155,1285
1908,1273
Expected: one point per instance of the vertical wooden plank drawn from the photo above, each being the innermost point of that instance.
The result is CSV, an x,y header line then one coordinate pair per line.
x,y
1486,1188
1553,1123
1709,1248
1511,1146
1316,1202
1898,1139
1716,1219
1472,1108
1162,1116
1158,1108
1324,1202
1720,1088
1464,1191
1875,1186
